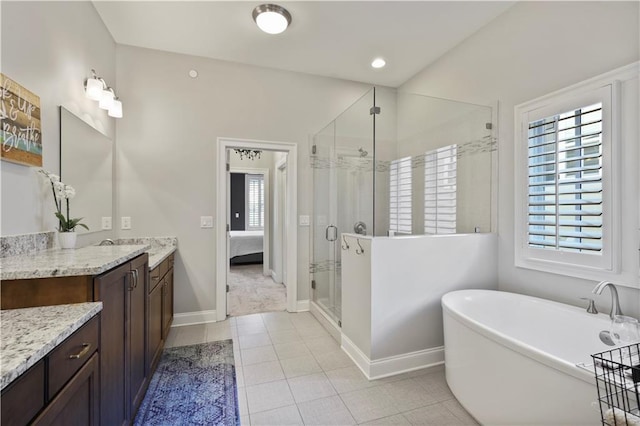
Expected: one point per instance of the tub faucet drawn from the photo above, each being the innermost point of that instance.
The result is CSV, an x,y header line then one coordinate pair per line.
x,y
615,301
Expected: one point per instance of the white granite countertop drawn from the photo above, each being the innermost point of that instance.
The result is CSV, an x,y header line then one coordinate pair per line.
x,y
91,260
31,333
159,247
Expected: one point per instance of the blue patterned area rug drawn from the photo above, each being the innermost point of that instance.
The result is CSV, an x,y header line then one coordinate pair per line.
x,y
193,385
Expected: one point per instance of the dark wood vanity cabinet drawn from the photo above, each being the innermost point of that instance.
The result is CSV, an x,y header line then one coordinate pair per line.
x,y
61,389
123,375
160,310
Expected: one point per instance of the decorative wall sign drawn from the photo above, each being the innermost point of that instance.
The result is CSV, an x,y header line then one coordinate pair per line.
x,y
20,129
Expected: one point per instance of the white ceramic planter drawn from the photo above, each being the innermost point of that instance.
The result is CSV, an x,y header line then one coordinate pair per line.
x,y
67,240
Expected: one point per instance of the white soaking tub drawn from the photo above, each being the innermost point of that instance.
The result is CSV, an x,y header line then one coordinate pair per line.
x,y
511,359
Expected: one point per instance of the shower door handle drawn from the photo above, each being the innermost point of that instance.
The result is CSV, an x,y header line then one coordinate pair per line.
x,y
335,233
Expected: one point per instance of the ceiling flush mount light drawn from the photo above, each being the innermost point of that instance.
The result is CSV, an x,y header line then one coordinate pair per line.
x,y
378,63
97,89
271,18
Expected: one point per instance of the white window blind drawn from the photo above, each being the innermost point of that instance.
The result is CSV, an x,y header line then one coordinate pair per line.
x,y
440,190
565,181
255,201
400,196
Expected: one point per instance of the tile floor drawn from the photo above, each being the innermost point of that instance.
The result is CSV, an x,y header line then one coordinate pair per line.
x,y
290,371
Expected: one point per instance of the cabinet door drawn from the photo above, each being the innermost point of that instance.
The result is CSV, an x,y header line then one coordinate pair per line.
x,y
78,402
112,288
167,304
154,327
137,336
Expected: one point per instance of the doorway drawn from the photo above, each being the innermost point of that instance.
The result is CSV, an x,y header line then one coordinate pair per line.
x,y
269,214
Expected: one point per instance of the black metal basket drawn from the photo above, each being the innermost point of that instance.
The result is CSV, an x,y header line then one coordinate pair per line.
x,y
618,380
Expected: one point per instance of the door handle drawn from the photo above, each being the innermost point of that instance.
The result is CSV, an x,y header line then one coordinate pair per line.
x,y
132,281
335,235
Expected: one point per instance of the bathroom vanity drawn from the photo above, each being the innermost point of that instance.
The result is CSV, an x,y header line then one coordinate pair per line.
x,y
50,364
136,295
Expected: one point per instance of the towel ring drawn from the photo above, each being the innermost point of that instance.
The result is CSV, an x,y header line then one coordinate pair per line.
x,y
345,244
359,250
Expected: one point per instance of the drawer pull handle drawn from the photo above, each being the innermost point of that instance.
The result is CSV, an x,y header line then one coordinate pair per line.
x,y
83,352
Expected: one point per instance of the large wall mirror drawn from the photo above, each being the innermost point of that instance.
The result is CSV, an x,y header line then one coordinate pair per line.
x,y
86,163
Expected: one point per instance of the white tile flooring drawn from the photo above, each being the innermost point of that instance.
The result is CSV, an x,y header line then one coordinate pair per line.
x,y
290,371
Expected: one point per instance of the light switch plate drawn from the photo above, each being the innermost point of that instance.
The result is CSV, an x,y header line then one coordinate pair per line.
x,y
125,222
206,221
304,220
106,223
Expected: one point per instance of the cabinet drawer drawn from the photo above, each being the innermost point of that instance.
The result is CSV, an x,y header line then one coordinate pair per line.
x,y
24,398
65,360
154,278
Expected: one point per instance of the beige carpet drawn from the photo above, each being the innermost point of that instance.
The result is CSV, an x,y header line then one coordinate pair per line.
x,y
250,292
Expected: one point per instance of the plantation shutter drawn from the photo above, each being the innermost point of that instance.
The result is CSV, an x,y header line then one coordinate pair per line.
x,y
400,196
255,201
440,190
565,181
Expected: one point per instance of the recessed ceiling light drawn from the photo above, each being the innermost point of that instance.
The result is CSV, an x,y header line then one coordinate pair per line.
x,y
193,73
378,63
271,18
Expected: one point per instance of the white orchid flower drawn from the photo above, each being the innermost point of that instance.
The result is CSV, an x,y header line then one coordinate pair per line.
x,y
58,188
69,192
54,178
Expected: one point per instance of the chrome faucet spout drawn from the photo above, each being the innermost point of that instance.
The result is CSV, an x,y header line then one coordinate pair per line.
x,y
615,300
107,242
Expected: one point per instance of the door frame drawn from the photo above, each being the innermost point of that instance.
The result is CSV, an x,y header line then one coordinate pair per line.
x,y
291,256
279,217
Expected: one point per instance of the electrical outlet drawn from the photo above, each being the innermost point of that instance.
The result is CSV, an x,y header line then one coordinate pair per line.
x,y
206,221
125,222
106,223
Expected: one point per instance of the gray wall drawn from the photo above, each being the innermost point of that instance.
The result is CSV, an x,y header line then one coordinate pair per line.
x,y
167,148
535,48
50,48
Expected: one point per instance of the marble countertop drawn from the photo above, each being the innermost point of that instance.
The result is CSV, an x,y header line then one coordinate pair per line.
x,y
29,334
156,256
91,260
159,247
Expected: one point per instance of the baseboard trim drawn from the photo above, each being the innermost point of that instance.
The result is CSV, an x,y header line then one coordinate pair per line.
x,y
393,365
274,276
191,318
302,306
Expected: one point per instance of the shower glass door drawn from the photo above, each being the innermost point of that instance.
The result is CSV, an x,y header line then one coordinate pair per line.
x,y
343,164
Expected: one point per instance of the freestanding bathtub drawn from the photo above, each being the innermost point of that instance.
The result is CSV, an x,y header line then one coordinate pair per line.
x,y
511,359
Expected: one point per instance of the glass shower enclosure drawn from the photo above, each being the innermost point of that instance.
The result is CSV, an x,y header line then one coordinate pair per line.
x,y
397,164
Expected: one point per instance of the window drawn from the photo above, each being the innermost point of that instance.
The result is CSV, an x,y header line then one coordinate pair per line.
x,y
566,182
255,201
400,196
440,190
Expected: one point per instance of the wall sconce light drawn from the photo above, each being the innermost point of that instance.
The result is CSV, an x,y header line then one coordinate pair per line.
x,y
97,89
251,154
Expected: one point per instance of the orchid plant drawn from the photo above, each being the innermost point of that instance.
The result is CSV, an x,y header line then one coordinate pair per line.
x,y
62,191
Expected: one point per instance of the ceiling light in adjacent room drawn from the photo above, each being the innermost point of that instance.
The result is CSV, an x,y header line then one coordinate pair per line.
x,y
193,73
271,18
378,63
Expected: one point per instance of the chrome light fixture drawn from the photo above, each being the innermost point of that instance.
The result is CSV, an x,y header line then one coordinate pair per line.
x,y
271,18
96,89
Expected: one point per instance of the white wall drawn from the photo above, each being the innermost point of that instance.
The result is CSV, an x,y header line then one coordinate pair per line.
x,y
167,148
50,48
535,48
